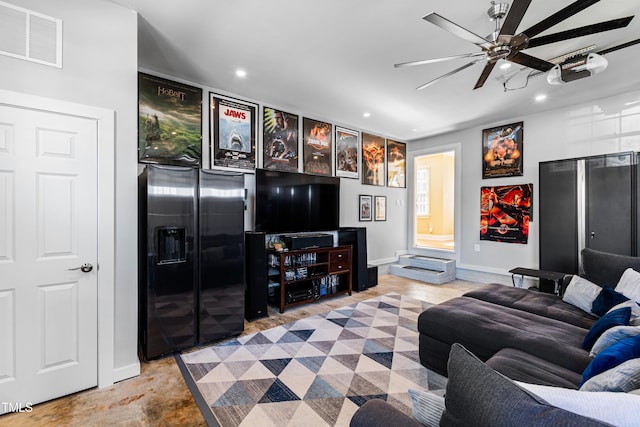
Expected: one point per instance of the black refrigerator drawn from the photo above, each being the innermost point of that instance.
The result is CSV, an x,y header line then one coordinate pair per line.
x,y
191,249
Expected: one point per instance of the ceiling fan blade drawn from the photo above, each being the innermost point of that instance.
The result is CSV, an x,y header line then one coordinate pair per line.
x,y
457,30
514,17
579,32
531,62
450,73
431,61
558,17
485,75
618,47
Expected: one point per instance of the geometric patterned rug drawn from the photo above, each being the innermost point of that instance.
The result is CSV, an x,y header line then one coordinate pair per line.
x,y
316,371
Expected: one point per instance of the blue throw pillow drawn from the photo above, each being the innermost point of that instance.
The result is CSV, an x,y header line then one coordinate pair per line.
x,y
619,317
606,299
612,356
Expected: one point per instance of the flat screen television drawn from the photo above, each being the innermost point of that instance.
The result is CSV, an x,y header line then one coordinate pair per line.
x,y
288,202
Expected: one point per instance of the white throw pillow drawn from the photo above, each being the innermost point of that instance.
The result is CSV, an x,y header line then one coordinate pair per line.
x,y
623,378
619,409
427,407
635,311
629,284
612,336
580,292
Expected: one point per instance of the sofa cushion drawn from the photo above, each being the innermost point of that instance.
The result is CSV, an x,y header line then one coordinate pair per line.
x,y
617,409
622,378
426,407
479,396
486,328
612,356
605,269
619,317
543,304
522,366
612,336
629,284
581,293
606,299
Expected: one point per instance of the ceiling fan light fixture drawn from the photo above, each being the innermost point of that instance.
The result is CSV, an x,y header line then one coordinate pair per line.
x,y
497,10
498,52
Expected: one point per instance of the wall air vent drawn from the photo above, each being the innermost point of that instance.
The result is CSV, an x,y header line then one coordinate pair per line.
x,y
29,35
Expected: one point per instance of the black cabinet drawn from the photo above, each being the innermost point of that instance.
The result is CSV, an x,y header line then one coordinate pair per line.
x,y
587,202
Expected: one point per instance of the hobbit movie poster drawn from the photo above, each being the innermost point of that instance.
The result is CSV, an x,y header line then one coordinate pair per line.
x,y
280,140
502,151
169,122
505,212
317,147
233,132
396,153
347,153
373,155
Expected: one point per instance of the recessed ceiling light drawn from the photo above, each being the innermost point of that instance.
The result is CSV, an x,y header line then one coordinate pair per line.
x,y
414,130
241,73
541,97
365,115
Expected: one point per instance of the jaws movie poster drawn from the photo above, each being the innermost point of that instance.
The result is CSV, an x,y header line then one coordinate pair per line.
x,y
233,132
505,212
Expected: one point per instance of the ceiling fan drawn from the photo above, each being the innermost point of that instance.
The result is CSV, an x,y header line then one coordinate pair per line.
x,y
505,44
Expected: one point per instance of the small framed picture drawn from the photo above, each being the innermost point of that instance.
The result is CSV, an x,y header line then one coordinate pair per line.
x,y
366,208
381,208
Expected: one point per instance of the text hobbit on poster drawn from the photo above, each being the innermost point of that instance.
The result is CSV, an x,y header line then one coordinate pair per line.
x,y
169,122
280,139
505,212
233,132
502,151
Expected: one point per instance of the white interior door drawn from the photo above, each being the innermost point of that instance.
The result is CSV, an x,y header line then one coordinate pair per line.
x,y
48,228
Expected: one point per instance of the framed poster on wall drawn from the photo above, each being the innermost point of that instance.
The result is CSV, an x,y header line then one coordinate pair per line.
x,y
396,166
347,153
502,151
280,140
373,159
233,130
169,122
505,213
381,208
317,137
365,204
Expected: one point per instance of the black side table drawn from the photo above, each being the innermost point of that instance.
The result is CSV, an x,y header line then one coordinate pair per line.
x,y
554,276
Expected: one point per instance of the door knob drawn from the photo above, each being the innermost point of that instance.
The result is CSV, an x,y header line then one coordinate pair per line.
x,y
85,268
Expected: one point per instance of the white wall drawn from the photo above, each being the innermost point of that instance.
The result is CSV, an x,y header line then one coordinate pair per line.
x,y
607,125
99,69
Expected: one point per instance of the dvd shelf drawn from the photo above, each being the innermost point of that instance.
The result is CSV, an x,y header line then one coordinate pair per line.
x,y
306,275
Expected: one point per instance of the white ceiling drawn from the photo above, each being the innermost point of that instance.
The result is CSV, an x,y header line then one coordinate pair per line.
x,y
333,59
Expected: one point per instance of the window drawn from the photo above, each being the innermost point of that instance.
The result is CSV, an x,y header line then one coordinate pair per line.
x,y
422,191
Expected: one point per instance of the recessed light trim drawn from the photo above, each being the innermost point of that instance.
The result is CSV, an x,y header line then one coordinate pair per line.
x,y
241,73
541,97
366,115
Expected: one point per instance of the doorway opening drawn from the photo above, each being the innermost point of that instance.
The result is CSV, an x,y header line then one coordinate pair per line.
x,y
434,195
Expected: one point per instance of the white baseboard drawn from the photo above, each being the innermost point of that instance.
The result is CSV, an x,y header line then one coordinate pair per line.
x,y
126,372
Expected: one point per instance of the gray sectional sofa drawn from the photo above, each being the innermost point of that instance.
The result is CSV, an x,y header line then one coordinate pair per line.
x,y
528,336
520,335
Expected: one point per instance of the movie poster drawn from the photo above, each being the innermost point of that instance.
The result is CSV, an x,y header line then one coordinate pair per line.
x,y
317,147
373,155
233,132
347,153
396,153
280,140
505,213
169,122
502,151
